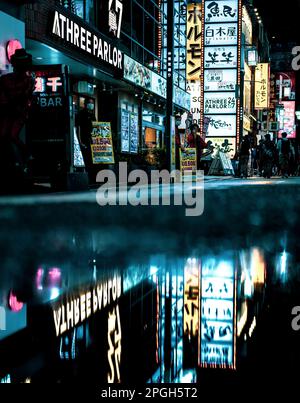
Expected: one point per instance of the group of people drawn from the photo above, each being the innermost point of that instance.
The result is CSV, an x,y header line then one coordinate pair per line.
x,y
268,158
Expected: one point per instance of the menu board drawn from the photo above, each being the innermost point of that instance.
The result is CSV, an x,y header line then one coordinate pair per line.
x,y
125,134
102,144
134,133
188,160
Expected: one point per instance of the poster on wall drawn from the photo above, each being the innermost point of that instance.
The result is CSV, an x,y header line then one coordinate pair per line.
x,y
102,144
134,133
221,34
220,11
221,126
220,57
188,161
217,314
220,80
220,103
125,134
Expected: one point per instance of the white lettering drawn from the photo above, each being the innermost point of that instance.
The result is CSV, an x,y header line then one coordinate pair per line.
x,y
76,311
69,31
105,56
63,20
76,35
57,317
88,304
100,54
115,57
82,307
88,41
95,44
119,59
63,326
70,315
56,26
82,38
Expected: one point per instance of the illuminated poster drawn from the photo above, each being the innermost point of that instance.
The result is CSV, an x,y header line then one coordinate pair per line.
x,y
287,119
188,160
220,80
134,133
225,145
226,10
221,34
221,126
220,103
102,144
220,57
191,298
247,90
125,133
262,86
193,44
217,314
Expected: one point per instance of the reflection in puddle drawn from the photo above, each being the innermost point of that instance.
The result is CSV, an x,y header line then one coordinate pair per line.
x,y
172,320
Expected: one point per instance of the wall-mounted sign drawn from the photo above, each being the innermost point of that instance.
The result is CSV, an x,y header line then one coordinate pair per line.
x,y
221,34
220,103
143,77
217,315
181,98
75,309
115,14
221,126
247,123
220,57
102,144
220,80
193,43
220,11
262,86
88,41
125,131
252,57
227,145
286,86
286,119
247,26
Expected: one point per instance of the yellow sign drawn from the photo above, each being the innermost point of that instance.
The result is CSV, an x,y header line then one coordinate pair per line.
x,y
191,297
188,161
262,86
102,144
247,123
193,44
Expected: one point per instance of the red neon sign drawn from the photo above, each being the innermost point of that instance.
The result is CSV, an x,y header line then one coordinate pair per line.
x,y
13,302
11,48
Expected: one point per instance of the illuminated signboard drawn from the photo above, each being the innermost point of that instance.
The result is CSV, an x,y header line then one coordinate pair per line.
x,y
220,103
102,144
143,77
225,144
217,314
286,119
222,22
220,80
262,86
220,11
247,26
191,297
181,98
221,34
221,126
75,309
11,48
91,43
286,86
115,14
220,57
193,42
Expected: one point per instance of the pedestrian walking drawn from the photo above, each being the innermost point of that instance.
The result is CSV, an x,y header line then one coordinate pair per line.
x,y
268,156
244,155
284,149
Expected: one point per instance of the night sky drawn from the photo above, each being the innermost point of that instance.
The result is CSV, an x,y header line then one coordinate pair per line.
x,y
281,21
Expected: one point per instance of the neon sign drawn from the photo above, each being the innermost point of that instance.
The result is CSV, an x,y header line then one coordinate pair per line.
x,y
13,303
11,48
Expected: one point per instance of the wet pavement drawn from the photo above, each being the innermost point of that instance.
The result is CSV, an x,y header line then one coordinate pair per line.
x,y
146,294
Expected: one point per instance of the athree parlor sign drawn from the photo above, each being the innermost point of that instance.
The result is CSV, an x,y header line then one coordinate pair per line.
x,y
76,309
89,42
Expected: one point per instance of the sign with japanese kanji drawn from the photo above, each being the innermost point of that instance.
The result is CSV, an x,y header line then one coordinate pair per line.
x,y
102,144
221,126
191,297
262,86
217,314
220,80
220,57
220,103
193,45
226,10
221,34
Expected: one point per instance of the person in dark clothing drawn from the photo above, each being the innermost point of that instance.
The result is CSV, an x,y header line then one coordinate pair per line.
x,y
194,140
16,91
244,156
268,156
85,120
260,157
284,151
